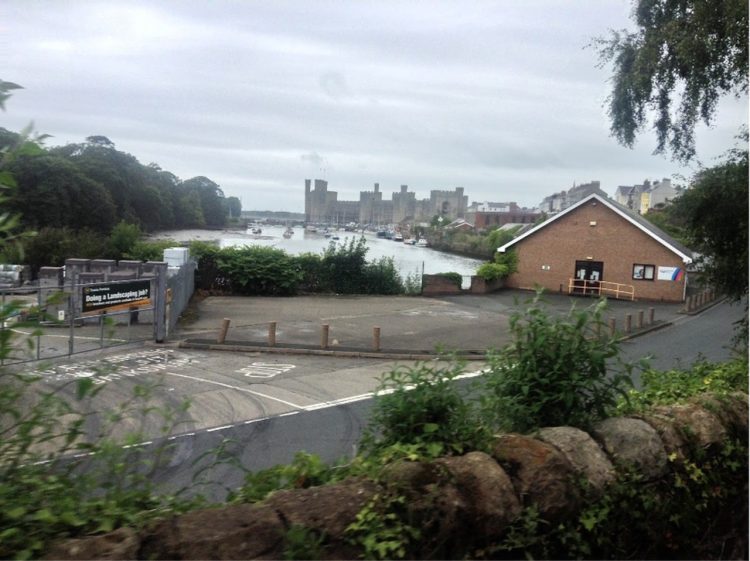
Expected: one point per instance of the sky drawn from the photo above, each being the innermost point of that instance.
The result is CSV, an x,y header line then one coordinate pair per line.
x,y
503,98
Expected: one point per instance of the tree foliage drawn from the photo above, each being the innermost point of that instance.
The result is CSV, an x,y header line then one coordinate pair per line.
x,y
716,220
694,50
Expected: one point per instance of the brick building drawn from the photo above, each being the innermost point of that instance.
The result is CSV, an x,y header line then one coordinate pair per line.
x,y
602,243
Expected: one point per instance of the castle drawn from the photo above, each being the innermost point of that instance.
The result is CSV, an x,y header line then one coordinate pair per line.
x,y
323,207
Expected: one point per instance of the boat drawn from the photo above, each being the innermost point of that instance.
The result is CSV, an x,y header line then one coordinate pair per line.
x,y
288,233
398,238
422,242
410,241
254,230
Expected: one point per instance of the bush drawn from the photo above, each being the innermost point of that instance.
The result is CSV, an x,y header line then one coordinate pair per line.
x,y
122,239
422,406
672,386
260,270
148,251
344,266
555,371
52,246
492,271
381,277
455,278
314,274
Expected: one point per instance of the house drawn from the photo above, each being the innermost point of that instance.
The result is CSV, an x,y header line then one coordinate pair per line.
x,y
600,247
642,198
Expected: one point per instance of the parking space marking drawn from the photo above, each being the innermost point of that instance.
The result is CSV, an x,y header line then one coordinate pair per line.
x,y
238,388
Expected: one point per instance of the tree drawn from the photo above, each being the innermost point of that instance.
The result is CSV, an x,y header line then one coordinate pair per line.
x,y
716,220
696,50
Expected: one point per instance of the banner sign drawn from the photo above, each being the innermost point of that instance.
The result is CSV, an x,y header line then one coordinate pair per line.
x,y
670,273
120,296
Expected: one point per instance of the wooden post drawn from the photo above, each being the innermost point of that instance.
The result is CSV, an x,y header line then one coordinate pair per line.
x,y
628,323
223,331
612,328
272,334
640,319
375,338
651,316
324,336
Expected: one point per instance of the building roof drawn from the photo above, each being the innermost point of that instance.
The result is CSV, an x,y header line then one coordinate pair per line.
x,y
636,220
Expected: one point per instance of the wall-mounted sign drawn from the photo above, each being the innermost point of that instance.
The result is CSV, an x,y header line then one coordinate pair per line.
x,y
119,296
670,273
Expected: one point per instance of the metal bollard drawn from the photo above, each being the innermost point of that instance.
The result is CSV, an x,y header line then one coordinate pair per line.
x,y
651,316
375,338
223,331
628,323
639,324
272,334
324,336
612,328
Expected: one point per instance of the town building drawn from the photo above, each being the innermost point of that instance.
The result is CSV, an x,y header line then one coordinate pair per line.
x,y
600,247
323,207
490,216
558,202
642,198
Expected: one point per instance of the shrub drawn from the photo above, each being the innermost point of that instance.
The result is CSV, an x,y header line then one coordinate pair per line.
x,y
344,265
492,271
52,246
314,274
509,259
453,277
148,250
208,276
422,406
381,277
556,371
672,386
260,270
122,239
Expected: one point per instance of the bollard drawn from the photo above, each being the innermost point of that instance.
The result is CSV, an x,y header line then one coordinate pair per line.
x,y
628,323
272,334
639,325
612,327
223,331
693,302
375,338
651,316
324,336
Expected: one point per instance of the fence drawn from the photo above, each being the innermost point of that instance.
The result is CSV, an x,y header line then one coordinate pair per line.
x,y
92,304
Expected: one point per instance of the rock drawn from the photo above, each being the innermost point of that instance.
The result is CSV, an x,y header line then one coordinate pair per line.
x,y
633,442
328,509
730,409
669,432
584,455
122,543
487,491
541,475
698,426
230,532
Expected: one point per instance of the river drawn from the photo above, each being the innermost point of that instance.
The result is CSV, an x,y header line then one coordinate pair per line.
x,y
409,259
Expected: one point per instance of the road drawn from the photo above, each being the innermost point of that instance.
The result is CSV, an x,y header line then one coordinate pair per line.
x,y
265,408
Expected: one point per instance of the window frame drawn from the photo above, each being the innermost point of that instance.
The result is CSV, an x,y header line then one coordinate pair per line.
x,y
644,268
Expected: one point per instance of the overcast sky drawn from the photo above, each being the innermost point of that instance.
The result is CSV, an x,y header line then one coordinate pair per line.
x,y
500,97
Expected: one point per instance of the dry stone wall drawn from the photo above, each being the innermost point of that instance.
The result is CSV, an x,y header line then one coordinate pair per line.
x,y
457,502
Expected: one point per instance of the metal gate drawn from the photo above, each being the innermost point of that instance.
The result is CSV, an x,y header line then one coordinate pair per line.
x,y
41,323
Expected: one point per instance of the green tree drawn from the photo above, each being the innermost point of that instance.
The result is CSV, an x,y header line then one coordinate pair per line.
x,y
211,198
692,50
234,207
715,212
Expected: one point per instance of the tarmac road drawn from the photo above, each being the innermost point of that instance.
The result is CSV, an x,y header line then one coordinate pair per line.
x,y
271,405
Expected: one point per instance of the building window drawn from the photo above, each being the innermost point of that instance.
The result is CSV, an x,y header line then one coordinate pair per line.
x,y
643,272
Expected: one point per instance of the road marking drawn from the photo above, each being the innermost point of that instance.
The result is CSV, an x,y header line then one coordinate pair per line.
x,y
30,333
204,380
265,369
220,428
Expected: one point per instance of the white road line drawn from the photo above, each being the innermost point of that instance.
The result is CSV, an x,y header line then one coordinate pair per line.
x,y
220,428
195,378
20,332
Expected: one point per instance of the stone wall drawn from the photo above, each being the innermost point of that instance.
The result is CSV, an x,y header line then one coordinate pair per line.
x,y
439,285
459,502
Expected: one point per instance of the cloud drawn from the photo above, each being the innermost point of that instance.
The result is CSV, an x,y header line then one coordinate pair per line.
x,y
498,97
